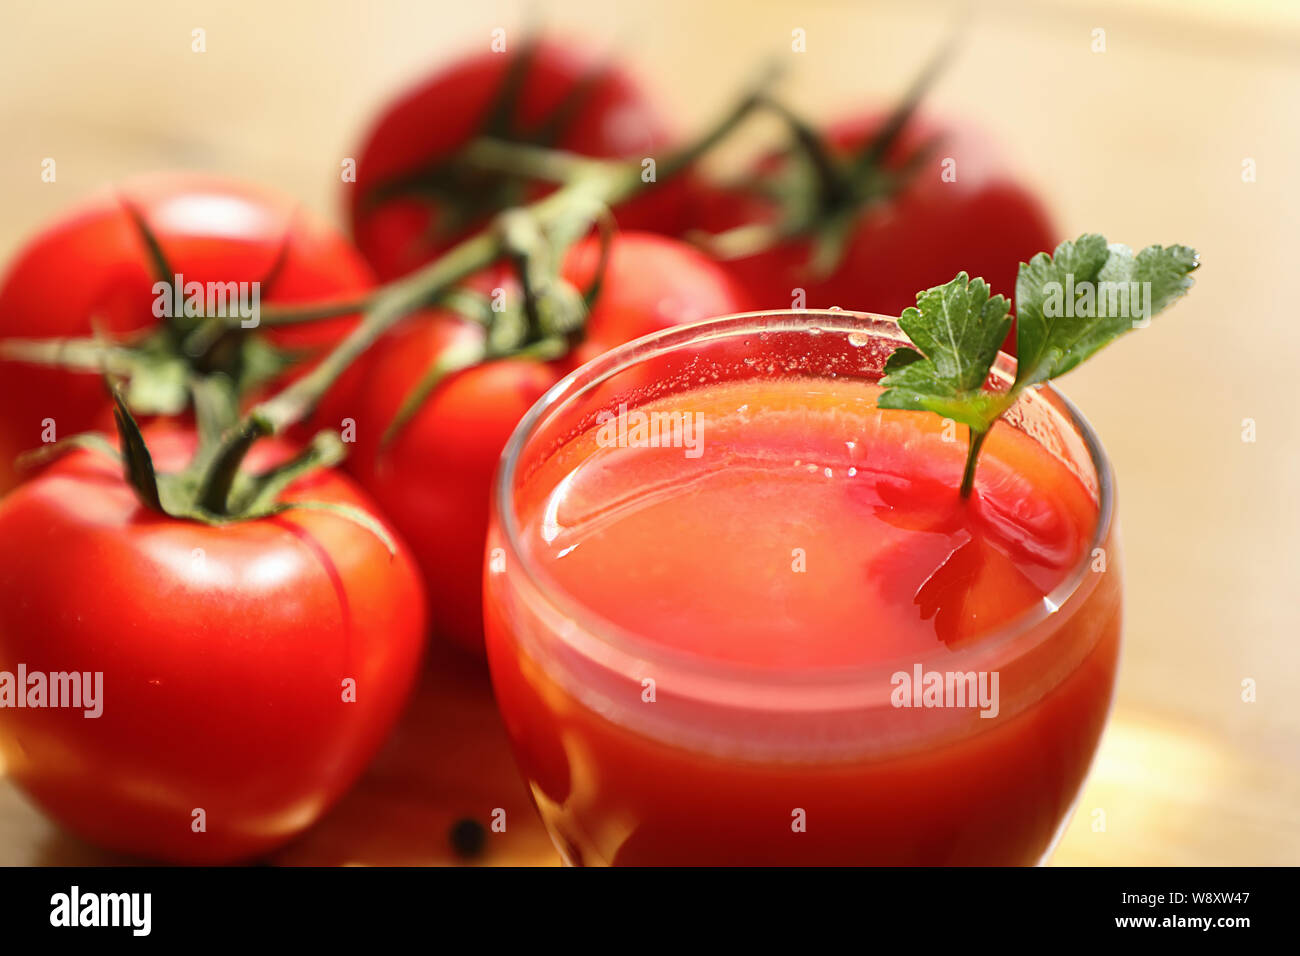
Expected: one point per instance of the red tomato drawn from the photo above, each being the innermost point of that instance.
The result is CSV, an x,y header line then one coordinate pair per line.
x,y
223,650
91,268
983,223
406,207
434,480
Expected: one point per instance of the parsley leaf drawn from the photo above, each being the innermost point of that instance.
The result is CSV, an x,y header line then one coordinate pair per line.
x,y
958,328
1069,305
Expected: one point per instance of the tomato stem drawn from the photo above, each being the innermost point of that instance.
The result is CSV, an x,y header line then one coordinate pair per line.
x,y
214,492
833,187
89,355
878,147
529,161
297,314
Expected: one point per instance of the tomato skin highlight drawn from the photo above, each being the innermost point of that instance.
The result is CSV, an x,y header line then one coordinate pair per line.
x,y
983,223
90,268
223,652
434,479
443,113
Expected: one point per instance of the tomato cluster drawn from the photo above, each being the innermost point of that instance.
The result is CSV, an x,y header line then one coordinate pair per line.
x,y
253,661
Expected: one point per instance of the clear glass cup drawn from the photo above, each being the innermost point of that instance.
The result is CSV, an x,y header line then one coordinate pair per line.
x,y
639,751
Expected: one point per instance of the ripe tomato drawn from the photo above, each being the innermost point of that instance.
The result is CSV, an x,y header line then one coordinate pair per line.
x,y
434,480
924,234
411,201
90,269
224,652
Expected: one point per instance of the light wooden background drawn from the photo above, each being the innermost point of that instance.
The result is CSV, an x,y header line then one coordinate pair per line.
x,y
1144,142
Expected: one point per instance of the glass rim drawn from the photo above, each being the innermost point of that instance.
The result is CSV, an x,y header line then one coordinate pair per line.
x,y
618,648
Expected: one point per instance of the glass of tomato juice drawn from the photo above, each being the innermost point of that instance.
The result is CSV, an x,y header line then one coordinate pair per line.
x,y
738,614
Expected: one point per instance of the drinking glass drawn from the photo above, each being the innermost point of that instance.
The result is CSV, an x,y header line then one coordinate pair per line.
x,y
641,751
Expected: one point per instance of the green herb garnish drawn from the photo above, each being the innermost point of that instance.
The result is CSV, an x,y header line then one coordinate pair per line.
x,y
1068,306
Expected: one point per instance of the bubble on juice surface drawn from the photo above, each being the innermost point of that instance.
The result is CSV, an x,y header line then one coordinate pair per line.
x,y
859,339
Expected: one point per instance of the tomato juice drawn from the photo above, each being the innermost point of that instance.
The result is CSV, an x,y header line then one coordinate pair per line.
x,y
737,614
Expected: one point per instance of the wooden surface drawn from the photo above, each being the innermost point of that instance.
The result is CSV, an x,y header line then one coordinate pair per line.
x,y
447,761
1166,795
1145,142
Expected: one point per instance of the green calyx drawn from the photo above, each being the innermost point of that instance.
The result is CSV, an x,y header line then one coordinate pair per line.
x,y
158,365
156,373
468,193
819,193
214,488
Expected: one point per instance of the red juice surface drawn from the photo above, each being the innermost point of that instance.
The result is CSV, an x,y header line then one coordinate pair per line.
x,y
797,533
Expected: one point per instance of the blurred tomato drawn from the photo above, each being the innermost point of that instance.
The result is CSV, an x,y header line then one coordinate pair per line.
x,y
413,199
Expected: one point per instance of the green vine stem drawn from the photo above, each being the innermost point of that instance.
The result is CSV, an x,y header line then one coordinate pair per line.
x,y
602,182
